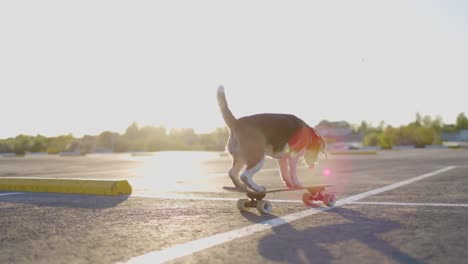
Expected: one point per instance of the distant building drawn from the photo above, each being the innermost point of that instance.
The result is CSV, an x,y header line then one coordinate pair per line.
x,y
337,131
456,136
464,135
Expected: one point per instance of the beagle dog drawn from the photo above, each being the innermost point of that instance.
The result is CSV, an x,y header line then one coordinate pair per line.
x,y
283,137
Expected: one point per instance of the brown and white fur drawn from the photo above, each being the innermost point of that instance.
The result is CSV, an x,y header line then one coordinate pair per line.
x,y
254,137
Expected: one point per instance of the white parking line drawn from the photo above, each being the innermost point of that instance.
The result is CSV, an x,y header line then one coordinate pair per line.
x,y
5,194
191,247
412,204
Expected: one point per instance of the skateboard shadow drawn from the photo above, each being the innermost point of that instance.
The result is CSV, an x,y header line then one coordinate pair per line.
x,y
291,245
255,218
66,200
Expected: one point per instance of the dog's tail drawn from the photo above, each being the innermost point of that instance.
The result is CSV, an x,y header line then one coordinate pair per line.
x,y
227,114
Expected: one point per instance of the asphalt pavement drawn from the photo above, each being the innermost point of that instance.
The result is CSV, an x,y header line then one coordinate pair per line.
x,y
405,206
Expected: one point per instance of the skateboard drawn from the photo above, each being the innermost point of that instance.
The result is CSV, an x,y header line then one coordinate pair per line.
x,y
314,193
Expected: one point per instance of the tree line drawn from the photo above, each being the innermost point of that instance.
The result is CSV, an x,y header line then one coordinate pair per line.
x,y
422,132
135,138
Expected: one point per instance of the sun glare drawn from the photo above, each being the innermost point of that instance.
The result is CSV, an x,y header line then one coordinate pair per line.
x,y
171,170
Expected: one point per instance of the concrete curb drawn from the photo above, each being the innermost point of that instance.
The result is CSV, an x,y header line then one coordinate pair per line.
x,y
71,186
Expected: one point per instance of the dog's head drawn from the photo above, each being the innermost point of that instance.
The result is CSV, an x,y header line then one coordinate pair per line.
x,y
317,148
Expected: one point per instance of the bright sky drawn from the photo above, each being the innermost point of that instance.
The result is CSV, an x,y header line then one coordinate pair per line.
x,y
83,67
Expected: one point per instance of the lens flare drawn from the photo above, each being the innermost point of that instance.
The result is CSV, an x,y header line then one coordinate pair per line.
x,y
326,172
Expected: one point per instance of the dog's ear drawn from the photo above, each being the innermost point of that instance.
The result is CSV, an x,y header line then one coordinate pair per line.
x,y
320,144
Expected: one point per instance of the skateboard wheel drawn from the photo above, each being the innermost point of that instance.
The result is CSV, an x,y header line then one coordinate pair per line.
x,y
242,204
329,199
264,207
307,199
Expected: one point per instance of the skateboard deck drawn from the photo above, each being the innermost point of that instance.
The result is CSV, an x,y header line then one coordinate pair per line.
x,y
311,189
314,193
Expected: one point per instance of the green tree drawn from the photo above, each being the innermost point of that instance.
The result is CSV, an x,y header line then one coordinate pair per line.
x,y
427,121
105,140
121,144
59,144
6,145
88,143
22,143
215,140
39,144
423,136
363,127
132,131
371,139
183,139
462,121
418,120
437,124
385,141
381,125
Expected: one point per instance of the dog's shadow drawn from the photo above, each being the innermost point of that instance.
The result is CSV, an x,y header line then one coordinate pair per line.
x,y
65,200
290,245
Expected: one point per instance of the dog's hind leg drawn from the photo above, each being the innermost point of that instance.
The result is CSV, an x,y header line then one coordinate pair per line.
x,y
252,150
237,165
248,174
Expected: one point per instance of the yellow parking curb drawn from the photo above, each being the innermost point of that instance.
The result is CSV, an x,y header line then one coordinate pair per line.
x,y
73,186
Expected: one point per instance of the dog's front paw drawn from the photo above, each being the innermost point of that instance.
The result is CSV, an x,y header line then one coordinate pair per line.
x,y
288,184
297,185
